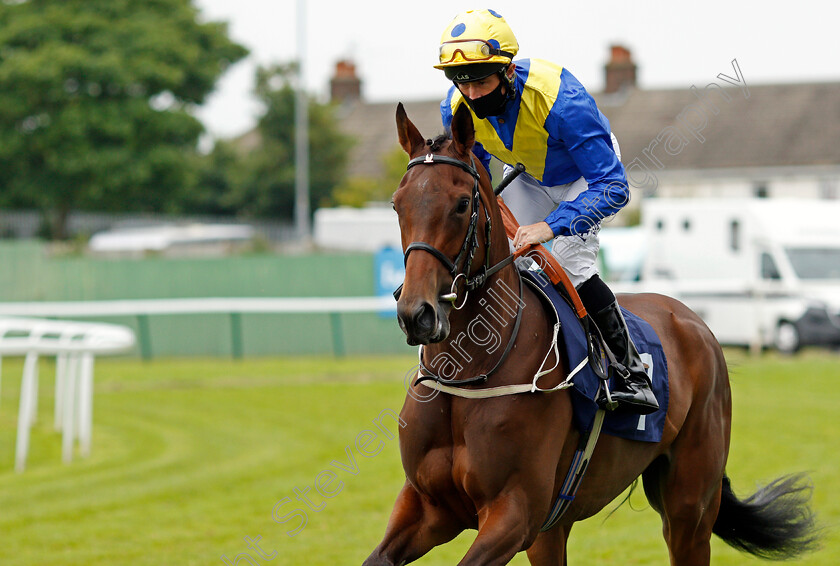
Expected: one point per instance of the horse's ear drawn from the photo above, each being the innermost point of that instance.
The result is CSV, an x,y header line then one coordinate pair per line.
x,y
463,131
410,139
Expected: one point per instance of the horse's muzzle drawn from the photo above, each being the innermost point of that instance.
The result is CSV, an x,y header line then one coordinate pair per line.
x,y
422,322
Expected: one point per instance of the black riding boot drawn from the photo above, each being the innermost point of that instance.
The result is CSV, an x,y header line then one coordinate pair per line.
x,y
631,384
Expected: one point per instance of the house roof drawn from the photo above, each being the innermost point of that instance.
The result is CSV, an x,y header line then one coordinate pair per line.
x,y
374,127
763,126
760,126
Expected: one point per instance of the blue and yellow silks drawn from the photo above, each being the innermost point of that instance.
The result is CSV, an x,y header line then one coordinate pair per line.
x,y
555,129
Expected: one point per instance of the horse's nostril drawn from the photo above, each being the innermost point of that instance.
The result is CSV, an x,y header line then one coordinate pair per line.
x,y
424,320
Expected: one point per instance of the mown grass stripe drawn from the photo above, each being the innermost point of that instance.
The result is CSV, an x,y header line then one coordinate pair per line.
x,y
191,456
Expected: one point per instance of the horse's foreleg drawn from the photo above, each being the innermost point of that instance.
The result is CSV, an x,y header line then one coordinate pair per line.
x,y
549,549
414,529
503,531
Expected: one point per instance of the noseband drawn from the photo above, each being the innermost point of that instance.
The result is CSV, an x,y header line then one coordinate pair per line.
x,y
468,248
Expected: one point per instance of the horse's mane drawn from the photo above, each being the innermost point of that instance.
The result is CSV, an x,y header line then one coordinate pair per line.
x,y
436,143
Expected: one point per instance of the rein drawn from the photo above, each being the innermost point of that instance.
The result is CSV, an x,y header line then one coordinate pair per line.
x,y
589,439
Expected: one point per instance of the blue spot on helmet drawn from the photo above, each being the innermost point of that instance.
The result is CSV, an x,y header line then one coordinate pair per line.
x,y
458,30
495,13
494,43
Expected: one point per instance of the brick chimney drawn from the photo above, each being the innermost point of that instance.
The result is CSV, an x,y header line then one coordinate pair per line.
x,y
345,86
620,72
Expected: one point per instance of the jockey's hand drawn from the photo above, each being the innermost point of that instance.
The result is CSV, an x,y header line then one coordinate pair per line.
x,y
532,234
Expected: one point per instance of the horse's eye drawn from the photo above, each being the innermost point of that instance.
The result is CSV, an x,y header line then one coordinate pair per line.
x,y
463,204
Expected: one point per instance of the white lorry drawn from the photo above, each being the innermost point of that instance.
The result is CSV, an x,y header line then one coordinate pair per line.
x,y
760,272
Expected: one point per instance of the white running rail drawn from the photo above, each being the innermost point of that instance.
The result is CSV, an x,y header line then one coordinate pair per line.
x,y
74,344
235,307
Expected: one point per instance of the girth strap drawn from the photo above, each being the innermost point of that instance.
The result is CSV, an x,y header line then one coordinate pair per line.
x,y
574,476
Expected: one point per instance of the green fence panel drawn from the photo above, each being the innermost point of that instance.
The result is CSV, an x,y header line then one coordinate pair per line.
x,y
29,272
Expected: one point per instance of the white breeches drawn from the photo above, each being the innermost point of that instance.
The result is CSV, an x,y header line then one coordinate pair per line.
x,y
531,202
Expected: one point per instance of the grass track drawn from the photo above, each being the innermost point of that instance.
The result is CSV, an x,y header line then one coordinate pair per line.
x,y
191,456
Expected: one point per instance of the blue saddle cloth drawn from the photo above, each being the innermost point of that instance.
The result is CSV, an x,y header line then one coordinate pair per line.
x,y
646,428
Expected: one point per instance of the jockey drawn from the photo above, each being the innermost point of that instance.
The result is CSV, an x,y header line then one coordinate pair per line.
x,y
537,113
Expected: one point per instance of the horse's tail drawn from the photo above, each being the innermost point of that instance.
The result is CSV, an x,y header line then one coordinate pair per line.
x,y
775,523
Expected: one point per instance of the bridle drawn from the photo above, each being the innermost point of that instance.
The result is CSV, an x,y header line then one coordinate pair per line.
x,y
465,255
468,248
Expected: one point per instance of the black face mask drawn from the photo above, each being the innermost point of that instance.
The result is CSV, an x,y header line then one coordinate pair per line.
x,y
492,103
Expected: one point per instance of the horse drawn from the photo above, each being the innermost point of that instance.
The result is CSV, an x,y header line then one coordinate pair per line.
x,y
496,464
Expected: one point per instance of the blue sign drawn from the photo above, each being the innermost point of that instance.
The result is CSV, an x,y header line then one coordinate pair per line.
x,y
388,274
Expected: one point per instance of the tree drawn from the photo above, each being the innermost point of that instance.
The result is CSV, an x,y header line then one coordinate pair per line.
x,y
219,171
264,183
96,99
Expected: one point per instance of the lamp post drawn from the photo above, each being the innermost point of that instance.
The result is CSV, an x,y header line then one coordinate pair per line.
x,y
301,133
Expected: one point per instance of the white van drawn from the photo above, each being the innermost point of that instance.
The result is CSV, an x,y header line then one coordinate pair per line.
x,y
761,272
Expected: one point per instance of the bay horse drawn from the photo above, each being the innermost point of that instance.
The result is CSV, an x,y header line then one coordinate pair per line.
x,y
497,464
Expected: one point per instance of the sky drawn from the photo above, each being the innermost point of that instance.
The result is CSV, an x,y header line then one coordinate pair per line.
x,y
394,44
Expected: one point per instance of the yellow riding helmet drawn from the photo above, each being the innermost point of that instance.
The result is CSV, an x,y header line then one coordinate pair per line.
x,y
476,37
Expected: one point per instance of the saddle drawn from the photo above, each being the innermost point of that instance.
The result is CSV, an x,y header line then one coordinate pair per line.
x,y
582,339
